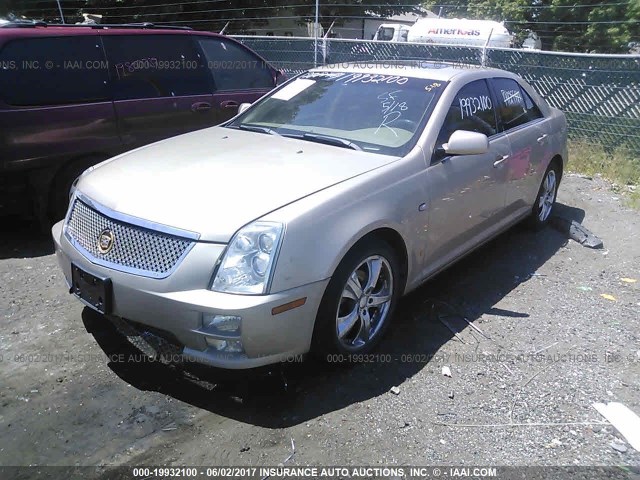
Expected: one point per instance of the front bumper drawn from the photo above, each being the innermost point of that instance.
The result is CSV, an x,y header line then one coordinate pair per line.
x,y
178,303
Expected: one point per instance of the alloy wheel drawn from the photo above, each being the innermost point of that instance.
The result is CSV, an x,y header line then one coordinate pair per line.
x,y
364,303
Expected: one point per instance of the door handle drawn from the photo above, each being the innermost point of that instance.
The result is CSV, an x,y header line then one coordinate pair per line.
x,y
200,107
229,104
541,139
499,160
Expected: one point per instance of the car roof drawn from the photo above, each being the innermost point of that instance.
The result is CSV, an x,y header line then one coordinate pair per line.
x,y
427,69
14,31
10,31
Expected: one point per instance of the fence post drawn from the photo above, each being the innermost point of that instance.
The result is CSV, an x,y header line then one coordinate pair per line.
x,y
60,9
325,44
315,35
483,59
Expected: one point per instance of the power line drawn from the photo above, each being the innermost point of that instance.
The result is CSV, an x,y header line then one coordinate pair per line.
x,y
218,1
221,10
364,17
351,17
160,5
604,22
132,6
180,15
542,7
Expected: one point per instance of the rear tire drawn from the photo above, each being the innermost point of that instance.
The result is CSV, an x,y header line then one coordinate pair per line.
x,y
359,301
546,199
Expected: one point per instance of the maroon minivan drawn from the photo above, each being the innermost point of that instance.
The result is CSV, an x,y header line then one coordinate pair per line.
x,y
72,96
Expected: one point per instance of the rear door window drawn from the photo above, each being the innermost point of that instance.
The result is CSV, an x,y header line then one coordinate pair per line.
x,y
53,71
234,67
515,106
153,66
471,110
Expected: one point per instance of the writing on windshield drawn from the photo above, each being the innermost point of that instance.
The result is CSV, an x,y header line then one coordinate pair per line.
x,y
376,112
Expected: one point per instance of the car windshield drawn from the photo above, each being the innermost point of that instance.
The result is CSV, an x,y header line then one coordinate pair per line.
x,y
363,111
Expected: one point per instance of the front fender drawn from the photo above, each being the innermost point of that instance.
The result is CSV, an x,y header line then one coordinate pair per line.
x,y
323,227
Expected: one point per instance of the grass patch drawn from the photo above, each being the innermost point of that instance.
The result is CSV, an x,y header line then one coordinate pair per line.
x,y
620,166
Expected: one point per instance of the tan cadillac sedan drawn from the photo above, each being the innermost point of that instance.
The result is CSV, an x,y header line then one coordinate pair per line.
x,y
299,224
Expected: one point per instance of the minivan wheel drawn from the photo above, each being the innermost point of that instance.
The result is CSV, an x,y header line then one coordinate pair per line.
x,y
546,198
61,185
359,301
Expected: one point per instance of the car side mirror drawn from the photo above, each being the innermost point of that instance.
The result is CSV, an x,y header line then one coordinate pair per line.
x,y
243,107
463,142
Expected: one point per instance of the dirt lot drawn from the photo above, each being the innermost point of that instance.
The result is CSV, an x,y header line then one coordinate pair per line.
x,y
71,394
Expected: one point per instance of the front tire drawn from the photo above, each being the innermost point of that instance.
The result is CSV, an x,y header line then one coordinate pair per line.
x,y
546,198
360,299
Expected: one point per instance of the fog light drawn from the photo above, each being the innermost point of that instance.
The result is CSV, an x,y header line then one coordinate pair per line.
x,y
222,324
229,346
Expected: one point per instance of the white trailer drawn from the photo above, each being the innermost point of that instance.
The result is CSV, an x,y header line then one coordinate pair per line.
x,y
448,31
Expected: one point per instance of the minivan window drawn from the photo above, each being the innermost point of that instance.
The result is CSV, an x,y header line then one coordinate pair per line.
x,y
233,67
515,106
151,66
53,71
472,110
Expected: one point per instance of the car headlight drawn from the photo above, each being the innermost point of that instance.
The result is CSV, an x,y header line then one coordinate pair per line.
x,y
72,190
74,184
249,259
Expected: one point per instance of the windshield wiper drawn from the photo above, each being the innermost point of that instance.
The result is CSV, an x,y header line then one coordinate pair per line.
x,y
313,137
255,128
338,142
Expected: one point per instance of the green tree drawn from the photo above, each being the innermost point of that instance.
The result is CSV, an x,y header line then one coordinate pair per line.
x,y
592,26
604,26
566,25
208,14
46,10
339,11
199,14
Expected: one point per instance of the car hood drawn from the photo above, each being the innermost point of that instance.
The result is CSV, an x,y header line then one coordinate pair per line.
x,y
216,180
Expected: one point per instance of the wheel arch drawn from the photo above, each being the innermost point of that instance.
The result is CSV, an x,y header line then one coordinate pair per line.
x,y
557,159
322,341
72,167
395,241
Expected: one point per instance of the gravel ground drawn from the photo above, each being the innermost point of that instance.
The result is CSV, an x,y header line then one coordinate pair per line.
x,y
74,393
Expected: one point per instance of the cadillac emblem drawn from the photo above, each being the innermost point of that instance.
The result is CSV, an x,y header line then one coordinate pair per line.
x,y
106,239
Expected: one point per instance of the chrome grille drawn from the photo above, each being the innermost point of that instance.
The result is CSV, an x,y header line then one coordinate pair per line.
x,y
135,249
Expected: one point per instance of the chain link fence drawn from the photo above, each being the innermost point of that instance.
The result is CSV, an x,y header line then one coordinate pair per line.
x,y
600,94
